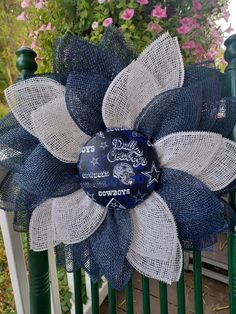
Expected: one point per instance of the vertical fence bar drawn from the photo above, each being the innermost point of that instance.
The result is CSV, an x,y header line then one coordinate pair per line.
x,y
129,298
95,298
111,300
40,301
163,298
229,89
181,294
78,292
146,295
197,271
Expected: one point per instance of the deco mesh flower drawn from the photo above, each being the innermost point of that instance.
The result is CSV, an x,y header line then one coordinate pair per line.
x,y
118,161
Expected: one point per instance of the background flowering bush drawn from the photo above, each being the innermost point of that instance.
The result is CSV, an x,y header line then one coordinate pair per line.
x,y
193,21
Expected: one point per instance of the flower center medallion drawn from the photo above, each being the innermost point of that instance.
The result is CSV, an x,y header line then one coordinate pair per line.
x,y
118,168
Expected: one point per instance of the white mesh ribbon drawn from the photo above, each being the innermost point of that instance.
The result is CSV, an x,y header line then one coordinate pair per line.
x,y
27,96
42,234
158,68
68,219
207,156
57,131
39,106
155,250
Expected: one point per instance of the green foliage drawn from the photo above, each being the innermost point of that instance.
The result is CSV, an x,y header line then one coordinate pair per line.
x,y
78,16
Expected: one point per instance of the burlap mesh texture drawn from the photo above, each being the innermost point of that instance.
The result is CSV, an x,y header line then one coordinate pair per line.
x,y
70,219
155,250
57,131
142,80
195,106
198,213
207,156
104,253
27,96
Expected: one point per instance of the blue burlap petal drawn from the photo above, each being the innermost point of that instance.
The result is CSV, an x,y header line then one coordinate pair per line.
x,y
16,144
198,213
84,96
44,175
72,54
172,111
113,41
110,244
79,255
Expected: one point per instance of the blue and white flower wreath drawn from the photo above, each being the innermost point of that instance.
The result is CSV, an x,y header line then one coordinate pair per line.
x,y
124,180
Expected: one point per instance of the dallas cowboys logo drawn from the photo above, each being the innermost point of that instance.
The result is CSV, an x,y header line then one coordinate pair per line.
x,y
153,174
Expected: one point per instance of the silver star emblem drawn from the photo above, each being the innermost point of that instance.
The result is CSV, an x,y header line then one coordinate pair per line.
x,y
94,161
153,174
139,197
104,145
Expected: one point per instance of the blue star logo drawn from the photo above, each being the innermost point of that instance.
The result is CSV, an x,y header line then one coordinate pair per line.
x,y
153,174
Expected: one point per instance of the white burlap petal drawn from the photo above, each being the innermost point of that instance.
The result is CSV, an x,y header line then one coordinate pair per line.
x,y
57,131
42,235
207,156
155,250
158,68
27,96
76,217
115,109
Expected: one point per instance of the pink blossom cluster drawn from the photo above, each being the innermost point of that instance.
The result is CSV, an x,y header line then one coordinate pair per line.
x,y
187,25
198,49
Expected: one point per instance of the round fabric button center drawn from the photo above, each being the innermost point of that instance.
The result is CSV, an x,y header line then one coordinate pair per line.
x,y
118,168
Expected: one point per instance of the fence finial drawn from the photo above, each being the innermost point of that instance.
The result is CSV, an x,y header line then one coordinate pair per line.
x,y
26,63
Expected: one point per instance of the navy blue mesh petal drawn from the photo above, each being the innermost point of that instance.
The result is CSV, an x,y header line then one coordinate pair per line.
x,y
113,41
172,111
80,255
110,244
44,175
198,213
84,96
72,54
16,144
15,198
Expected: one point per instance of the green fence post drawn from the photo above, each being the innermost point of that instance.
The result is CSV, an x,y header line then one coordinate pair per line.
x,y
181,294
197,272
78,292
229,89
95,298
38,261
163,298
112,300
146,295
129,298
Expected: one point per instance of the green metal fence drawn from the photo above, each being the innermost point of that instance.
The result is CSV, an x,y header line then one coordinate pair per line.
x,y
38,262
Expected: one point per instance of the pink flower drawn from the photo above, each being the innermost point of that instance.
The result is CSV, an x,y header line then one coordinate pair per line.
x,y
39,4
188,23
211,54
49,26
230,29
152,27
225,12
31,34
127,14
42,28
184,29
34,45
108,21
21,17
191,44
197,6
25,4
143,2
159,12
